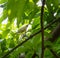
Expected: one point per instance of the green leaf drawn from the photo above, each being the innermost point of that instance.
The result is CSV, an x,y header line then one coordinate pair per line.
x,y
33,13
3,45
48,35
36,42
12,43
50,45
35,1
11,9
48,54
20,7
5,32
28,45
29,54
55,3
22,49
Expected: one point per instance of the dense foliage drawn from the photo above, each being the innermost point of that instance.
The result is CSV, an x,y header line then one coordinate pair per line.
x,y
20,27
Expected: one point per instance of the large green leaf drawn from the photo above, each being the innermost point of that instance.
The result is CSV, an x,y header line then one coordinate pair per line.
x,y
20,8
11,9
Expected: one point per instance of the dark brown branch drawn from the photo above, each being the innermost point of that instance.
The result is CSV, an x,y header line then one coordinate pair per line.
x,y
55,33
34,55
29,38
42,28
54,53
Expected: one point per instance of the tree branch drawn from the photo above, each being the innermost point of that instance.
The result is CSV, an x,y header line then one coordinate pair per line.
x,y
55,33
34,55
42,27
54,53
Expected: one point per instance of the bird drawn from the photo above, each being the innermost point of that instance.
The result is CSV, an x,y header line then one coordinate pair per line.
x,y
23,28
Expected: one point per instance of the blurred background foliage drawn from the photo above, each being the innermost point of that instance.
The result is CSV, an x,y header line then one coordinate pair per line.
x,y
16,14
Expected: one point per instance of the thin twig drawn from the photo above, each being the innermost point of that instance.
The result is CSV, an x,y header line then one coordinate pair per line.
x,y
42,28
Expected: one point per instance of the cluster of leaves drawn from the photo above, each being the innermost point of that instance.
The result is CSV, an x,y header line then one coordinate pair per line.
x,y
20,12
